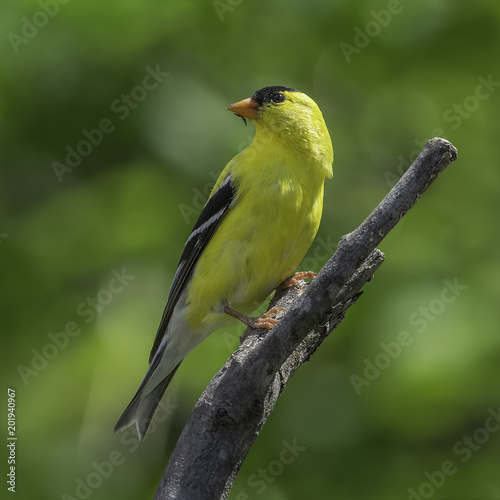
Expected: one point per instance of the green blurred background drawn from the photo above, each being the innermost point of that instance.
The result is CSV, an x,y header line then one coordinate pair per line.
x,y
388,76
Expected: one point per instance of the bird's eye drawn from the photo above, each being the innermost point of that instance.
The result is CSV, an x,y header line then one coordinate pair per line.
x,y
278,97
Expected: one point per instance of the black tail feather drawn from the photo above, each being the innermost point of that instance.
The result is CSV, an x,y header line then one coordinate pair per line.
x,y
142,408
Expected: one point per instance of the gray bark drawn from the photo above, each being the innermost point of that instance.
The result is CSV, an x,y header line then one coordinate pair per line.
x,y
237,402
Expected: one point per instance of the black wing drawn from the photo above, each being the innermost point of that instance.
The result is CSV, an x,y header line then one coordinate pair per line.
x,y
209,220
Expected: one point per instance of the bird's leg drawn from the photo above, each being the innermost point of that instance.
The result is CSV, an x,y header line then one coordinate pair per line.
x,y
293,280
263,321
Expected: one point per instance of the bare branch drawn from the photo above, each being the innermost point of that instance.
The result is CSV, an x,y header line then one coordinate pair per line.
x,y
231,412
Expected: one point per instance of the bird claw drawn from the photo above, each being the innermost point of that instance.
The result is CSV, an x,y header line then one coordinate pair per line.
x,y
293,280
262,322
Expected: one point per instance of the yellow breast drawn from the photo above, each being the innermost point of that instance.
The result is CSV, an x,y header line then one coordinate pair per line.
x,y
262,239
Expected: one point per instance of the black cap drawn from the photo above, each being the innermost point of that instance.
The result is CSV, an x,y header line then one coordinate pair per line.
x,y
269,94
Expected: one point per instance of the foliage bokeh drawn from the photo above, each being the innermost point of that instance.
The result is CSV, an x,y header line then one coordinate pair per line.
x,y
129,205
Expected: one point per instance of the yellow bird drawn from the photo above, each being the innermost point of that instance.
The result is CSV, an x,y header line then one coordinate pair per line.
x,y
257,225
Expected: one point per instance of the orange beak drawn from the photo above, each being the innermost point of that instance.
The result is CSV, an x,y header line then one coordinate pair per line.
x,y
247,108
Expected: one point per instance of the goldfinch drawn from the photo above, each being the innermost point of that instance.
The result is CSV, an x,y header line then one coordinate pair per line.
x,y
258,223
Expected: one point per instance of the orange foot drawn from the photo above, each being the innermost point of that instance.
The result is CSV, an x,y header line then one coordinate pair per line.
x,y
263,321
293,280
